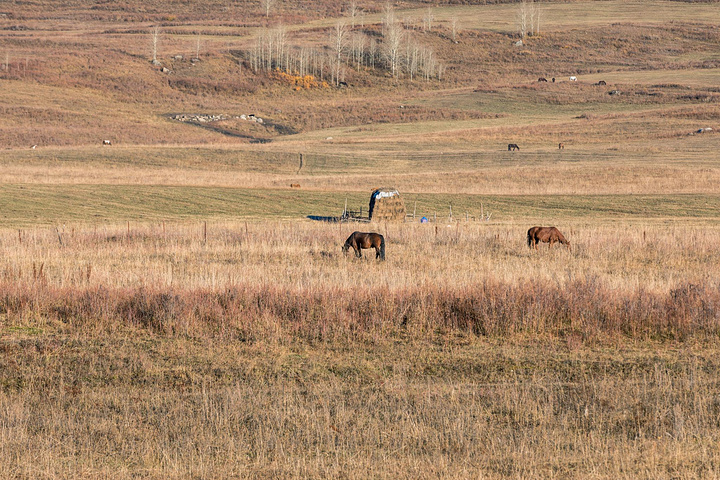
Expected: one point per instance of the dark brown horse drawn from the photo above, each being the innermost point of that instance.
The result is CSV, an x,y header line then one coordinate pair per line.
x,y
513,146
546,235
360,240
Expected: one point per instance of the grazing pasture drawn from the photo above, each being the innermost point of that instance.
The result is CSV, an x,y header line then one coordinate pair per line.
x,y
169,307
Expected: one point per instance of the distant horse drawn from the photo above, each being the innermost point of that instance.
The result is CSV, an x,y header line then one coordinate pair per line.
x,y
546,235
513,146
561,146
542,79
294,185
360,240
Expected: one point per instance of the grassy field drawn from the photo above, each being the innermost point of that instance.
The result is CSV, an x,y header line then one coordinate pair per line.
x,y
251,351
27,205
171,308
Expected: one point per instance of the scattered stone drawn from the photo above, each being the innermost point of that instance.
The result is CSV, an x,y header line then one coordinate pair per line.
x,y
207,118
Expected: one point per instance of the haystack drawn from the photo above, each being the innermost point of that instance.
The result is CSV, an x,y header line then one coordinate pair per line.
x,y
386,204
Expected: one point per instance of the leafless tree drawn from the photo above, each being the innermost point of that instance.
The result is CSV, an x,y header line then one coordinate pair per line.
x,y
388,17
339,45
266,6
154,40
454,28
429,18
536,16
392,43
197,47
270,50
353,11
358,49
412,55
522,19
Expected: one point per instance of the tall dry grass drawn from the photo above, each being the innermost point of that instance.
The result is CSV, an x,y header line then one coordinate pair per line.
x,y
258,350
650,281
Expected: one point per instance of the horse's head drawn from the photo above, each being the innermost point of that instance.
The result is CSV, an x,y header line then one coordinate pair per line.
x,y
346,247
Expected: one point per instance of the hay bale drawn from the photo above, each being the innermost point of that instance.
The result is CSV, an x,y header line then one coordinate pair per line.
x,y
386,204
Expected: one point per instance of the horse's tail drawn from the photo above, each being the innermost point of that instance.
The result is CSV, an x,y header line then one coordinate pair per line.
x,y
382,247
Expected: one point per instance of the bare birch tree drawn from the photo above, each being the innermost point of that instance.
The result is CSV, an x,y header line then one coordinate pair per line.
x,y
536,15
197,47
266,6
522,19
454,28
154,40
358,50
339,44
388,17
391,47
353,11
428,19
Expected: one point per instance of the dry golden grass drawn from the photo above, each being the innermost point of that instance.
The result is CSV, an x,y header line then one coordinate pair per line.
x,y
255,349
139,405
305,255
261,351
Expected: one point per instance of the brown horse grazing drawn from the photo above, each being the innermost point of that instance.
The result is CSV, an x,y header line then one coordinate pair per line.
x,y
561,146
360,240
546,235
513,146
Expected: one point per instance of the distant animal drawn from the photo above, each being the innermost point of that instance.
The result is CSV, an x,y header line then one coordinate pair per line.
x,y
601,82
294,185
513,146
553,79
360,240
107,142
549,235
573,78
561,146
542,79
34,147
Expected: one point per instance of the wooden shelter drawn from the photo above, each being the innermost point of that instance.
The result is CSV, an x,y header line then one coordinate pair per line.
x,y
386,204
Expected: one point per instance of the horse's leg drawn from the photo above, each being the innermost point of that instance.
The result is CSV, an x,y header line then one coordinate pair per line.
x,y
358,251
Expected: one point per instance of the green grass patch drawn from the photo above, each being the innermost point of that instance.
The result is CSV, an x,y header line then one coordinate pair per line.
x,y
23,330
24,205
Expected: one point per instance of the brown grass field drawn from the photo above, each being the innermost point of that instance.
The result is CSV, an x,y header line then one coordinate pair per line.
x,y
169,309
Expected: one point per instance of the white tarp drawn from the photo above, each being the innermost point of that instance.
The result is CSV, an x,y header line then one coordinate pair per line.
x,y
386,194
